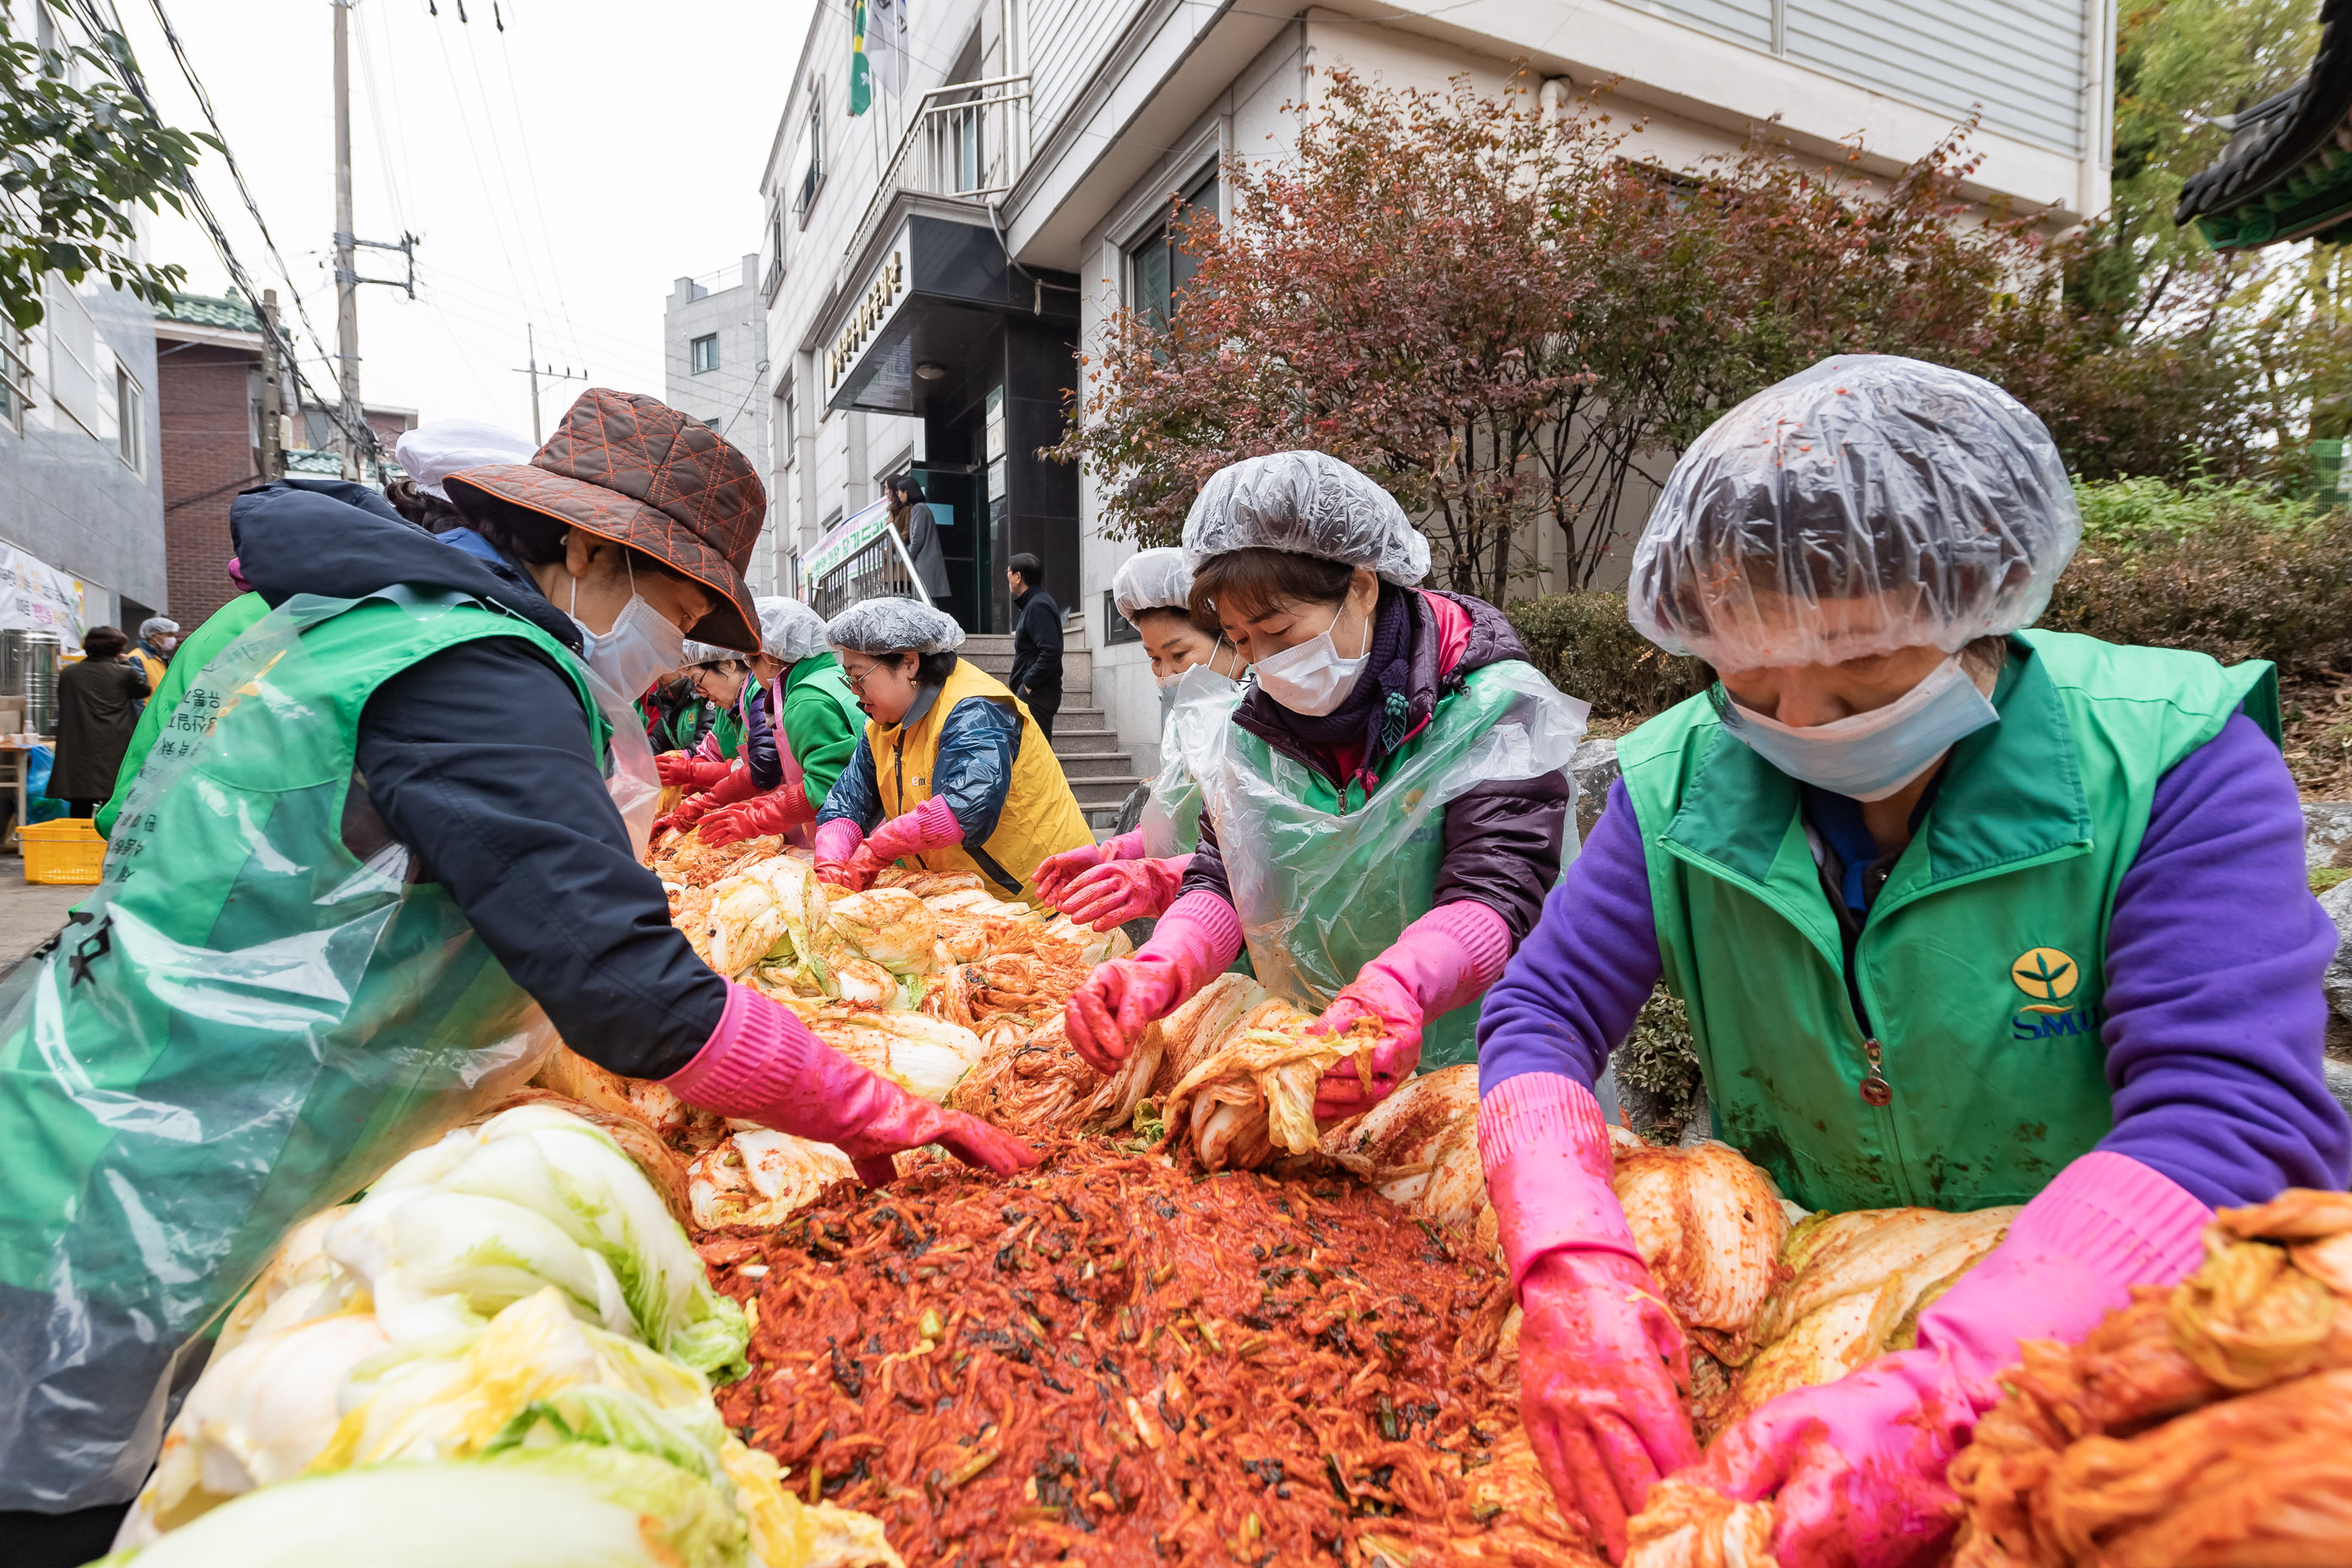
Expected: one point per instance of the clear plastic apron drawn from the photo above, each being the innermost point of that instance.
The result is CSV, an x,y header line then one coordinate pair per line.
x,y
254,1014
1322,892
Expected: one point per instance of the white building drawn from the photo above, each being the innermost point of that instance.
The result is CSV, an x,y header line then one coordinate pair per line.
x,y
933,266
714,369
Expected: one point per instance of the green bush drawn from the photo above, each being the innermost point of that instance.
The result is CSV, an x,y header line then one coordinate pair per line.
x,y
1584,643
1657,1071
2230,570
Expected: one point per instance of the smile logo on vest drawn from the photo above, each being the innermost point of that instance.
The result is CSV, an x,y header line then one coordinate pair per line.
x,y
2051,977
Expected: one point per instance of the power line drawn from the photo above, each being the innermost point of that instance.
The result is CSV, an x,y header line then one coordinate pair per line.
x,y
531,170
506,176
127,68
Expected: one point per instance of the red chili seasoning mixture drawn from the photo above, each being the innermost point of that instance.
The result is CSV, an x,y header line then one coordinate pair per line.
x,y
1112,1360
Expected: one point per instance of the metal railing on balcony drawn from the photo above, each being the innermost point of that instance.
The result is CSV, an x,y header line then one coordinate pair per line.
x,y
861,558
969,140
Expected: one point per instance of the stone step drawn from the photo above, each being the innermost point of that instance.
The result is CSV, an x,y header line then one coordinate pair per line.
x,y
1080,721
1096,765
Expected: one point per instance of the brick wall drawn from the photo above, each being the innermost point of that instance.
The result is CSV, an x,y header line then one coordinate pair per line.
x,y
202,399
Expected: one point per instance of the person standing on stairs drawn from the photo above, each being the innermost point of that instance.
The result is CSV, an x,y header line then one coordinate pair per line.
x,y
1036,675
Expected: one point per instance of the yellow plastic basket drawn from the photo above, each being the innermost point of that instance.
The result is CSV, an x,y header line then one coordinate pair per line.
x,y
65,850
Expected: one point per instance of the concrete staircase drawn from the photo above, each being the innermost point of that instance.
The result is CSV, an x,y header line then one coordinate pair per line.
x,y
1100,771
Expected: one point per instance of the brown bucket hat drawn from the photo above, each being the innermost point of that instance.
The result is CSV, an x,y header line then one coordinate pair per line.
x,y
634,470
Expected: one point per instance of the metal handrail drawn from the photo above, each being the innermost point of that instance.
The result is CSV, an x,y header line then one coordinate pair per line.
x,y
922,125
890,532
870,574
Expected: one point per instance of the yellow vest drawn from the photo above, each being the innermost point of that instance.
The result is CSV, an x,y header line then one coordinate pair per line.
x,y
1040,817
152,665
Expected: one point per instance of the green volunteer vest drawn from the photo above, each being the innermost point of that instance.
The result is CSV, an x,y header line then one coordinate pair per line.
x,y
727,725
1326,880
1982,963
248,1021
821,672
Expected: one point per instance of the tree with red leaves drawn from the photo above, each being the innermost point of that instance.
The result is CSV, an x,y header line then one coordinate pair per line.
x,y
1506,318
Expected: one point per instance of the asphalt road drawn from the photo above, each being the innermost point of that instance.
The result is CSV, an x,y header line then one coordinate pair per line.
x,y
30,912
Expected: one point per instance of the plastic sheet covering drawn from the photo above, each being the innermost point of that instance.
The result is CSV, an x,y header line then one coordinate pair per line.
x,y
877,626
1151,580
1309,503
231,1036
789,631
1170,823
631,777
1322,893
1869,504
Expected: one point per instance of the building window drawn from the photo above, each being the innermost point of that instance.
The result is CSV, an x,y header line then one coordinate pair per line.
x,y
704,353
1158,267
811,154
775,278
129,421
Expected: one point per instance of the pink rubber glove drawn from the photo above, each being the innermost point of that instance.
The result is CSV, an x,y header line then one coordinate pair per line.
x,y
1056,872
779,811
1120,890
1602,1368
683,772
837,844
930,826
762,1064
1197,939
1856,1467
1445,958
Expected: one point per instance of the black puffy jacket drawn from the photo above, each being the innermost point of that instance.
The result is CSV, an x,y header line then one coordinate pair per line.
x,y
480,761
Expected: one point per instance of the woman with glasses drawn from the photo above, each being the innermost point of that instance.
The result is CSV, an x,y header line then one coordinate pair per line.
x,y
953,773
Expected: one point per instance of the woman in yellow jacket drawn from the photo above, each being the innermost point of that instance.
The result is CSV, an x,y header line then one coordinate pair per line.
x,y
952,775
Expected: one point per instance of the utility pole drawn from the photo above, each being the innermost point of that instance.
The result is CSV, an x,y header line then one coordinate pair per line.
x,y
530,364
273,393
535,370
347,275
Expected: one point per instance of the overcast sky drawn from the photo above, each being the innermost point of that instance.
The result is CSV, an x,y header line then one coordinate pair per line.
x,y
561,172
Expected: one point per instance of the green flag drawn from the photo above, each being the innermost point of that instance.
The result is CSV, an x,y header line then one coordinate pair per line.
x,y
861,74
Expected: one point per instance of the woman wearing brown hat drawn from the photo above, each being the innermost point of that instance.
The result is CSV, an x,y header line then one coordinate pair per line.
x,y
372,857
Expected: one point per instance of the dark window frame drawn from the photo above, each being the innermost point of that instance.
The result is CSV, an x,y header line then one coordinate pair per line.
x,y
1157,268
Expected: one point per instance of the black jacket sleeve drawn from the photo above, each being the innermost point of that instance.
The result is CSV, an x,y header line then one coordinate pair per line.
x,y
1502,848
479,760
1206,871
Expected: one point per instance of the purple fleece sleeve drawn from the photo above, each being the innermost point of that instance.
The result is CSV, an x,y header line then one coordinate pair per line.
x,y
2215,1016
1570,991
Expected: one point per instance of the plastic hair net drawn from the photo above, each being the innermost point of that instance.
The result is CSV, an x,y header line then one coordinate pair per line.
x,y
1869,504
695,653
1151,580
1309,503
439,447
155,626
877,626
789,631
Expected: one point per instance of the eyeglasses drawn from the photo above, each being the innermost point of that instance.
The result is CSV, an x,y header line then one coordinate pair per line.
x,y
857,682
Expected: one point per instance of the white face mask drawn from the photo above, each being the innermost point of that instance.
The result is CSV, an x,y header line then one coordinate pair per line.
x,y
1312,678
1869,756
641,645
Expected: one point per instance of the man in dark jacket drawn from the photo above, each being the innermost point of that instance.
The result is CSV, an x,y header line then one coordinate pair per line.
x,y
98,706
1036,677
